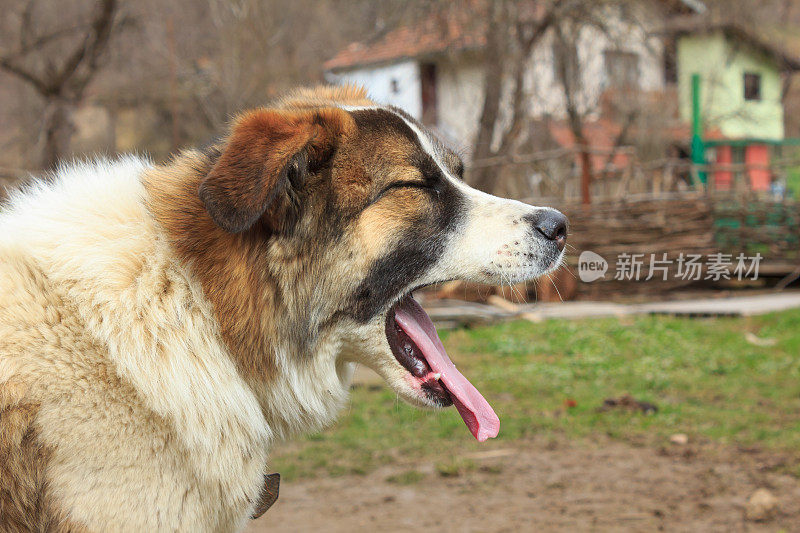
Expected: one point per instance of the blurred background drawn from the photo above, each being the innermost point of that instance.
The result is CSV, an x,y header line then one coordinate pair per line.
x,y
636,391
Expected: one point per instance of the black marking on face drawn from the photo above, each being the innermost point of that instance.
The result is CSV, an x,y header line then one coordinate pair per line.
x,y
391,274
379,121
459,170
423,242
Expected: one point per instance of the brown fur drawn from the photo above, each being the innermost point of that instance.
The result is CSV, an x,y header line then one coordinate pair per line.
x,y
325,96
239,189
265,147
25,502
233,267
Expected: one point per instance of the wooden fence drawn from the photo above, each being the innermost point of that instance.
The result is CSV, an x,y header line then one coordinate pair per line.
x,y
652,232
661,209
662,229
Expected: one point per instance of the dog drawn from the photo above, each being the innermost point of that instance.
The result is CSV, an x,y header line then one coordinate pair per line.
x,y
162,326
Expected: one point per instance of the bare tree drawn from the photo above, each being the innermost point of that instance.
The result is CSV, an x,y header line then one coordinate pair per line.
x,y
59,64
514,30
567,73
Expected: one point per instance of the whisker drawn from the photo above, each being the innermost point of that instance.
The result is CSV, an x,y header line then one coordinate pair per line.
x,y
568,271
502,284
555,287
519,293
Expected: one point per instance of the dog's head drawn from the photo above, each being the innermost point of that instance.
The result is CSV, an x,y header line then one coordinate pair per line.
x,y
334,210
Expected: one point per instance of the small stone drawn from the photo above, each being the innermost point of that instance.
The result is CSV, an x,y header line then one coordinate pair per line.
x,y
761,505
681,439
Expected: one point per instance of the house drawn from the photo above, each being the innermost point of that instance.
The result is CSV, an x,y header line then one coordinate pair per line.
x,y
741,94
741,79
434,69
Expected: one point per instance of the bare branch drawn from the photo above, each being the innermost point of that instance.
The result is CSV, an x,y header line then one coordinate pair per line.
x,y
621,138
498,47
89,50
528,36
39,42
10,66
66,78
26,27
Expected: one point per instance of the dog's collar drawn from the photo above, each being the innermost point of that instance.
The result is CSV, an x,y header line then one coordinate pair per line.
x,y
269,494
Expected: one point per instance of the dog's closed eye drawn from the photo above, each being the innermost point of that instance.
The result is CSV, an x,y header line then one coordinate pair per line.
x,y
401,185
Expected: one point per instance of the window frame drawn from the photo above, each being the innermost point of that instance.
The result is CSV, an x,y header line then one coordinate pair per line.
x,y
752,93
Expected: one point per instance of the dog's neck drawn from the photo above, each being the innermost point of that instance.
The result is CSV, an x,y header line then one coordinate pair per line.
x,y
263,299
244,296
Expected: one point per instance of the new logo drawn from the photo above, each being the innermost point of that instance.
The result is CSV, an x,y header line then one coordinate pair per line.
x,y
591,266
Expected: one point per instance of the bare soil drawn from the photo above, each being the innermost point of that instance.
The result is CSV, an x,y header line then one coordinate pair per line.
x,y
537,486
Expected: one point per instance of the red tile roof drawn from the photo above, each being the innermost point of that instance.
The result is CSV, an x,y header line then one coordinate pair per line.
x,y
436,34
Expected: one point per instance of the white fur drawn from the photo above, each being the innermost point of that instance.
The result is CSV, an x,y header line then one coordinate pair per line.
x,y
90,232
491,248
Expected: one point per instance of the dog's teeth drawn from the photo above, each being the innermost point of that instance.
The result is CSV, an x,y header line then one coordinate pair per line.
x,y
437,376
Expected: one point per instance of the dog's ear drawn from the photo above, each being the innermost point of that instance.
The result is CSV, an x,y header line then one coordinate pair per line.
x,y
267,151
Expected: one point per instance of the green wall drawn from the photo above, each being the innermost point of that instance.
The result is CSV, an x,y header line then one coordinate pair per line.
x,y
722,64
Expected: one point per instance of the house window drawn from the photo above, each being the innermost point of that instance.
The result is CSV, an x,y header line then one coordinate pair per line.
x,y
622,69
395,86
752,86
427,81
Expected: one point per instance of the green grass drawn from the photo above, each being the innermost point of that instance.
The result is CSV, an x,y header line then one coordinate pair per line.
x,y
703,375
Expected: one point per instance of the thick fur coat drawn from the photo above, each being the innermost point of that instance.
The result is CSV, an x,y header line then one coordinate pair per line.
x,y
162,326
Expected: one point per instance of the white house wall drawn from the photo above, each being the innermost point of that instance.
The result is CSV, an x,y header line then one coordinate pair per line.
x,y
377,80
460,81
546,96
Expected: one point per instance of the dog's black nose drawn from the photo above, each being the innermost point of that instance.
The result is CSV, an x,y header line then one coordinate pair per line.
x,y
552,224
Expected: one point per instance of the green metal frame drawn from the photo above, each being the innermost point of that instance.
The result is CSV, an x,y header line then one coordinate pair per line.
x,y
699,146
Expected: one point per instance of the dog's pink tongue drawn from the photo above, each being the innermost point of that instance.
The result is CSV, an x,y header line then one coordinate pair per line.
x,y
478,415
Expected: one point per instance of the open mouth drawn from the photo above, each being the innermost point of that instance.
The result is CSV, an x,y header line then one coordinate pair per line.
x,y
417,347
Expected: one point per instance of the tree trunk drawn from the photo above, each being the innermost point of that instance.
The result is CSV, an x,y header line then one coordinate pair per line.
x,y
584,155
505,55
482,177
586,176
57,131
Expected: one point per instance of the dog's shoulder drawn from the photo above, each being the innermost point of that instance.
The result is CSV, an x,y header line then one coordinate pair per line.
x,y
93,299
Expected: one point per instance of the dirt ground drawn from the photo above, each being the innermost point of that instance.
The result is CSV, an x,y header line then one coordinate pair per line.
x,y
606,486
